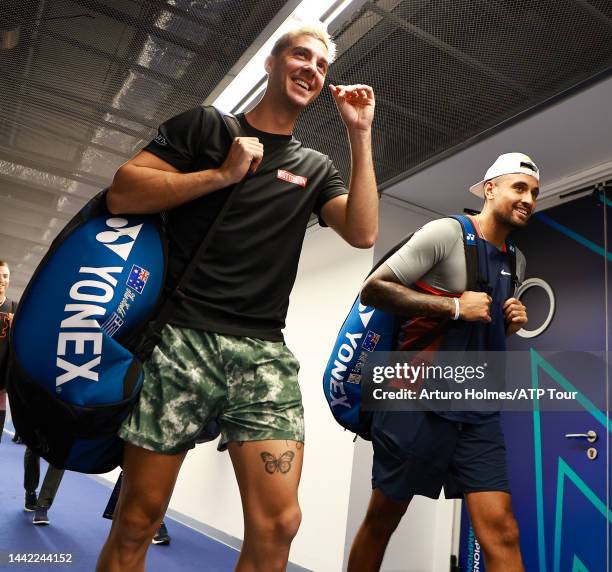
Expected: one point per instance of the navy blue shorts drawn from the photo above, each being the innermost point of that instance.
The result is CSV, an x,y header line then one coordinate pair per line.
x,y
419,452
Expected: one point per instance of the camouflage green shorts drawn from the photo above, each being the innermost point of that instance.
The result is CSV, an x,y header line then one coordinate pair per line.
x,y
249,385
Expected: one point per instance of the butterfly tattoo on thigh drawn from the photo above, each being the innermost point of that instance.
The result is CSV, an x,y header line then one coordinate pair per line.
x,y
282,464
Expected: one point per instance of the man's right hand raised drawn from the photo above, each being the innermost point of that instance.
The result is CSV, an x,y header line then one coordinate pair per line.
x,y
245,155
475,307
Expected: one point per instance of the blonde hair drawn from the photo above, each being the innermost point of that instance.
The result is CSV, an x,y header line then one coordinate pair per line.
x,y
315,30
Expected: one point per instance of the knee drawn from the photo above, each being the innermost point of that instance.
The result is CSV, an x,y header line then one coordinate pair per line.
x,y
502,533
287,524
381,521
137,524
509,533
281,528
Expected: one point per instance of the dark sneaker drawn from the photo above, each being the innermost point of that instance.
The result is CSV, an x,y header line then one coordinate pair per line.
x,y
161,536
30,501
40,516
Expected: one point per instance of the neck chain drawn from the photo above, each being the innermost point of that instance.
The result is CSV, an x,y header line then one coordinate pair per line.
x,y
499,247
479,227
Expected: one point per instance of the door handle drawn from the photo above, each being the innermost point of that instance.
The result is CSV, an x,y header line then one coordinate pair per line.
x,y
590,436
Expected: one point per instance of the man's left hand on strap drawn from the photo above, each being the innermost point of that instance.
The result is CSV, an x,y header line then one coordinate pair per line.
x,y
515,315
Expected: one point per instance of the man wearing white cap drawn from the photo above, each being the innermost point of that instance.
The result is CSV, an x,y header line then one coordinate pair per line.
x,y
419,452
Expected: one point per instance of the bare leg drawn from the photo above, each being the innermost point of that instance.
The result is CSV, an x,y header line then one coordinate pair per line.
x,y
496,530
268,474
148,481
381,520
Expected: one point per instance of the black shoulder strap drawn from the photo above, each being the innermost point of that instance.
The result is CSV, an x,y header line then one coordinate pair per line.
x,y
153,332
232,123
235,129
475,280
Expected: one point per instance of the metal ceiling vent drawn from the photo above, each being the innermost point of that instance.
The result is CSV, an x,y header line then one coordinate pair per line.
x,y
85,83
445,71
9,27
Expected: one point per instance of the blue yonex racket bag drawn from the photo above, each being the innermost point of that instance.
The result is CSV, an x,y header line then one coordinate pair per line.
x,y
364,330
89,317
367,329
72,376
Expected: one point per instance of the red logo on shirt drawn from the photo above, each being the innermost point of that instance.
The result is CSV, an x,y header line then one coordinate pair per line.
x,y
291,178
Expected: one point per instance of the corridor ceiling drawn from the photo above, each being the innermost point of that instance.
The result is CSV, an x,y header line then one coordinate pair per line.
x,y
84,84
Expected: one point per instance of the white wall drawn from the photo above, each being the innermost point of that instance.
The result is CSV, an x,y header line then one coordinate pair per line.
x,y
422,541
329,276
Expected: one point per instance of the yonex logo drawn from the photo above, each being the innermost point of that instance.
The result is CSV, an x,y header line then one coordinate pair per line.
x,y
90,296
470,236
344,356
365,316
108,237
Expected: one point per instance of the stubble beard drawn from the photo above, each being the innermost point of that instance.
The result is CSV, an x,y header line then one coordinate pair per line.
x,y
508,221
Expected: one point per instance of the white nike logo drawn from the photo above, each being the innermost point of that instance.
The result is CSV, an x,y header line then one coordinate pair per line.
x,y
505,273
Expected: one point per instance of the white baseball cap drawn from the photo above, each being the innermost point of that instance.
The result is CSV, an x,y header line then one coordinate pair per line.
x,y
505,165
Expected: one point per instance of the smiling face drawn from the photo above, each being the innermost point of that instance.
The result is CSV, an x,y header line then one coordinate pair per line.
x,y
512,198
5,275
296,75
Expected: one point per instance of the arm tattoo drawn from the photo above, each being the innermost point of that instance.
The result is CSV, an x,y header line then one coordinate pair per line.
x,y
282,464
403,301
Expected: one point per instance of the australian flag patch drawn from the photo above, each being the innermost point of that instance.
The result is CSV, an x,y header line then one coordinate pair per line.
x,y
370,341
137,279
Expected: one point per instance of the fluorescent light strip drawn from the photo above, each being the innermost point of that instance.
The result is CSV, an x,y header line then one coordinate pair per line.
x,y
251,96
250,82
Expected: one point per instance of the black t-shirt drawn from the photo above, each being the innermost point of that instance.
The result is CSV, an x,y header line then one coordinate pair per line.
x,y
242,284
8,307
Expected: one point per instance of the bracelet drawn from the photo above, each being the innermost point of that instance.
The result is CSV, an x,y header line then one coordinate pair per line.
x,y
457,309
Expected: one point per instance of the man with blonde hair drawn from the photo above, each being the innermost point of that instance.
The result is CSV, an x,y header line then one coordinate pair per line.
x,y
222,355
314,30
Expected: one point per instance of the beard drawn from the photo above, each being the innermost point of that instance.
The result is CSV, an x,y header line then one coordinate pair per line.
x,y
509,221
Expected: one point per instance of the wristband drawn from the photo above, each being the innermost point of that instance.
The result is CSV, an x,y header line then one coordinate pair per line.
x,y
457,309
